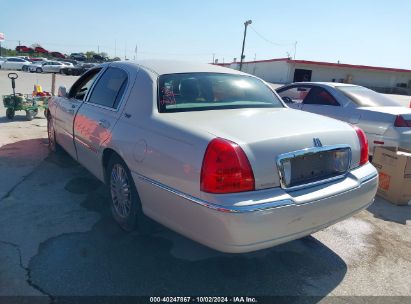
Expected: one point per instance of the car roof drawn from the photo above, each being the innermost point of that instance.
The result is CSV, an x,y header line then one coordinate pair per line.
x,y
161,67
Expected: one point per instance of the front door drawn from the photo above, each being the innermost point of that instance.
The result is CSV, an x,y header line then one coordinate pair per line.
x,y
97,116
67,108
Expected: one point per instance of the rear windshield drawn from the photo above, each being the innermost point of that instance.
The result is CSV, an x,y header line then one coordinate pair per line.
x,y
213,91
365,97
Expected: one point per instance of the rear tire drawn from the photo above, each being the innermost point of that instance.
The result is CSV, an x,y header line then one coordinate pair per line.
x,y
30,115
10,113
125,201
39,70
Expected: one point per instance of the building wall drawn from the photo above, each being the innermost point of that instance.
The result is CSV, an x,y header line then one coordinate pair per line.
x,y
274,71
369,78
282,71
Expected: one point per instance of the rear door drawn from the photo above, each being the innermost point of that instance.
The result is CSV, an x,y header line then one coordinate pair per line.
x,y
97,116
67,108
55,67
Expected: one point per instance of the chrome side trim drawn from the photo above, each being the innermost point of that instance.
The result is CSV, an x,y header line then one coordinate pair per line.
x,y
249,208
231,209
308,151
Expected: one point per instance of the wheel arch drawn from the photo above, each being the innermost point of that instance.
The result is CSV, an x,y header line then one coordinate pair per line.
x,y
107,154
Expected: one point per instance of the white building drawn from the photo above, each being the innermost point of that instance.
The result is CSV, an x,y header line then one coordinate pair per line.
x,y
286,70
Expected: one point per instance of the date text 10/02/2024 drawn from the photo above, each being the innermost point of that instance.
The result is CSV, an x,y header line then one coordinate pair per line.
x,y
203,300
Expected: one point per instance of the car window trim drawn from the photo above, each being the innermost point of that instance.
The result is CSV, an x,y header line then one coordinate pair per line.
x,y
89,71
116,109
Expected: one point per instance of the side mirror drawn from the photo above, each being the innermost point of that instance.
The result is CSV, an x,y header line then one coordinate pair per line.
x,y
62,92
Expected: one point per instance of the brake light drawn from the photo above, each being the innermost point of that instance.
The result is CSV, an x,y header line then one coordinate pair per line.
x,y
226,168
401,122
363,145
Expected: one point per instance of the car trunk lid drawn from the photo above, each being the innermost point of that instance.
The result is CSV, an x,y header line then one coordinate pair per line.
x,y
266,134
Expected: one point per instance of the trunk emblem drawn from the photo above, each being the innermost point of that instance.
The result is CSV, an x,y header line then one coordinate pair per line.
x,y
317,142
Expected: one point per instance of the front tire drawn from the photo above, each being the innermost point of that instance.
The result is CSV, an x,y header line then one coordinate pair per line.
x,y
54,147
39,70
125,202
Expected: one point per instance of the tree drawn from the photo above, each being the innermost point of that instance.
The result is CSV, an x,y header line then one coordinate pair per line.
x,y
90,54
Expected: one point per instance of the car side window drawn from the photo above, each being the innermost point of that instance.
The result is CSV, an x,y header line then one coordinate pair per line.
x,y
320,96
294,94
110,88
80,89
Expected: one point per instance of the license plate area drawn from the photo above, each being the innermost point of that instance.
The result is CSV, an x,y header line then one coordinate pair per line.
x,y
313,166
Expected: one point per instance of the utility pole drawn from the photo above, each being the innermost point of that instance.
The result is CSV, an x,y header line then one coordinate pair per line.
x,y
246,24
213,58
295,49
115,48
98,49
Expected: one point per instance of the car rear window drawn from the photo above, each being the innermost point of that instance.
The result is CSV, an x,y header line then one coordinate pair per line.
x,y
213,91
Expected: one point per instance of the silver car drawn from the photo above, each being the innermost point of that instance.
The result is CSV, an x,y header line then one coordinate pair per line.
x,y
211,153
13,63
384,121
47,67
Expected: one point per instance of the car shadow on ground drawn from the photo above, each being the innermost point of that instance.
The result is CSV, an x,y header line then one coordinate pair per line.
x,y
107,261
389,212
20,116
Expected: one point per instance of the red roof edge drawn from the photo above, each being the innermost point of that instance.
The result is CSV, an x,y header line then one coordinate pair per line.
x,y
328,64
351,66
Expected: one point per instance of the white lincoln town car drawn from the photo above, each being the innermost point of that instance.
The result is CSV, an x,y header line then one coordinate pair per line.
x,y
211,153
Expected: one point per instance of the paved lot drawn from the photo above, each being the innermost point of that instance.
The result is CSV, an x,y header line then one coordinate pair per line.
x,y
57,238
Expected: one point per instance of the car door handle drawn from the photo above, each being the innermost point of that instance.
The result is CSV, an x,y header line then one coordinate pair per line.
x,y
104,123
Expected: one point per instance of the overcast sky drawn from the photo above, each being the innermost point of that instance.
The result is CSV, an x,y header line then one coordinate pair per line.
x,y
369,32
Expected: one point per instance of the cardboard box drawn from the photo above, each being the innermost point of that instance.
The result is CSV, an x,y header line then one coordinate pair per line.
x,y
394,168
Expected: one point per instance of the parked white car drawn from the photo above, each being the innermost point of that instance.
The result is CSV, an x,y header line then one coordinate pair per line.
x,y
211,153
384,121
47,67
13,63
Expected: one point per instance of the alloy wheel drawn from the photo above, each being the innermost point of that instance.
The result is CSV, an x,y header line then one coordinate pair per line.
x,y
120,191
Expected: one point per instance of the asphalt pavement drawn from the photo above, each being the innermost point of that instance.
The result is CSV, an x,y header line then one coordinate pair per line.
x,y
57,238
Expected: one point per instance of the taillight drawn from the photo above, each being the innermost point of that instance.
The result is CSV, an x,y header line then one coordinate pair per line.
x,y
363,145
226,168
401,122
